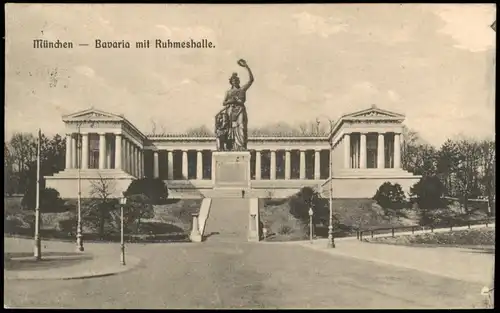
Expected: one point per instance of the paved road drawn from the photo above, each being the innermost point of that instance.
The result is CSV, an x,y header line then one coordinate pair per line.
x,y
246,275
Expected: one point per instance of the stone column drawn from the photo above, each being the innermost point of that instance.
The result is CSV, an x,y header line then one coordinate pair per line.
x,y
156,165
137,163
272,175
347,150
199,165
85,151
362,151
132,158
68,151
258,165
108,153
170,165
141,163
102,150
288,164
397,151
380,151
74,150
302,164
125,154
317,164
118,151
185,164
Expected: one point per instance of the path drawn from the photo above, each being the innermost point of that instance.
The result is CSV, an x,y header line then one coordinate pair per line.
x,y
473,265
247,275
61,261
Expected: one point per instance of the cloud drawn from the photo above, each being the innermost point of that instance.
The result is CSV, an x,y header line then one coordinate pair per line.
x,y
468,24
310,24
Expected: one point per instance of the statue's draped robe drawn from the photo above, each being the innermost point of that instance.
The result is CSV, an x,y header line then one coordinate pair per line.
x,y
238,132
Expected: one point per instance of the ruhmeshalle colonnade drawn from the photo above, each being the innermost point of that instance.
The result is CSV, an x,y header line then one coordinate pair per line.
x,y
363,149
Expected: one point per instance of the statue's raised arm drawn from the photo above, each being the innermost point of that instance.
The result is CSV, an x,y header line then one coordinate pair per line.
x,y
244,64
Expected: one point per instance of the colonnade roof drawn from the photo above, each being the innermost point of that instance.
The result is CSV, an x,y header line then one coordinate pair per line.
x,y
370,115
364,116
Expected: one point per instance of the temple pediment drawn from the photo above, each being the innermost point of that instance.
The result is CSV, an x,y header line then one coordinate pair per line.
x,y
374,113
92,115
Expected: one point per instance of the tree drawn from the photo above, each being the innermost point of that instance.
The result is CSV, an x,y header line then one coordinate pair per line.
x,y
50,200
138,207
141,195
315,128
300,203
98,209
428,193
467,175
154,188
410,140
201,131
487,169
20,159
447,165
22,151
421,159
10,179
391,198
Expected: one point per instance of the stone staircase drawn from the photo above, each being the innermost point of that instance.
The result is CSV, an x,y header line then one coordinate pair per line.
x,y
227,220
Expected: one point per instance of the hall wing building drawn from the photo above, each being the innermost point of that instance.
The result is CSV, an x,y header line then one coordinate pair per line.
x,y
363,150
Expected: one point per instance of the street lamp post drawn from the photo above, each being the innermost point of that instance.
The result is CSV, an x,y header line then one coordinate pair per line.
x,y
79,235
311,224
123,201
331,240
38,242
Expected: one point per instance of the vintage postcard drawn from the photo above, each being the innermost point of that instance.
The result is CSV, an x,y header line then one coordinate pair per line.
x,y
252,156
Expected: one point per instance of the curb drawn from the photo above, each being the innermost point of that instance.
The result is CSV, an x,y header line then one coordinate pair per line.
x,y
298,242
132,263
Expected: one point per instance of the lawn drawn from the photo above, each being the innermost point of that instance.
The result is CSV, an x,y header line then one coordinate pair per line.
x,y
172,222
350,214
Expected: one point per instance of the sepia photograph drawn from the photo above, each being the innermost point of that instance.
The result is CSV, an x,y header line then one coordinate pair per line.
x,y
249,156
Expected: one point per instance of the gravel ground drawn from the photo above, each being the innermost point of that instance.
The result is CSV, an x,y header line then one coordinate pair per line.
x,y
246,275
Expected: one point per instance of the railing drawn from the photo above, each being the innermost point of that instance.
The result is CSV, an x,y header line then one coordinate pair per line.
x,y
413,228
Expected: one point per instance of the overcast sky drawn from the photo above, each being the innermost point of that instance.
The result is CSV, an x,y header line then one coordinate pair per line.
x,y
433,63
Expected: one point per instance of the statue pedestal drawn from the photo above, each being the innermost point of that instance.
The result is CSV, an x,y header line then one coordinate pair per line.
x,y
231,169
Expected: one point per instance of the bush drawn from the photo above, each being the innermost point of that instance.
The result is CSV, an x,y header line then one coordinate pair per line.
x,y
285,229
101,215
392,199
68,226
154,188
307,198
12,225
483,237
50,201
138,207
429,192
20,223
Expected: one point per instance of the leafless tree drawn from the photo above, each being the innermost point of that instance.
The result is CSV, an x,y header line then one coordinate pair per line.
x,y
488,166
153,127
22,149
101,204
201,131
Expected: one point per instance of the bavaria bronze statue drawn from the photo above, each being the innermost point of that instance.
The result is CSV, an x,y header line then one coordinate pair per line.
x,y
231,123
